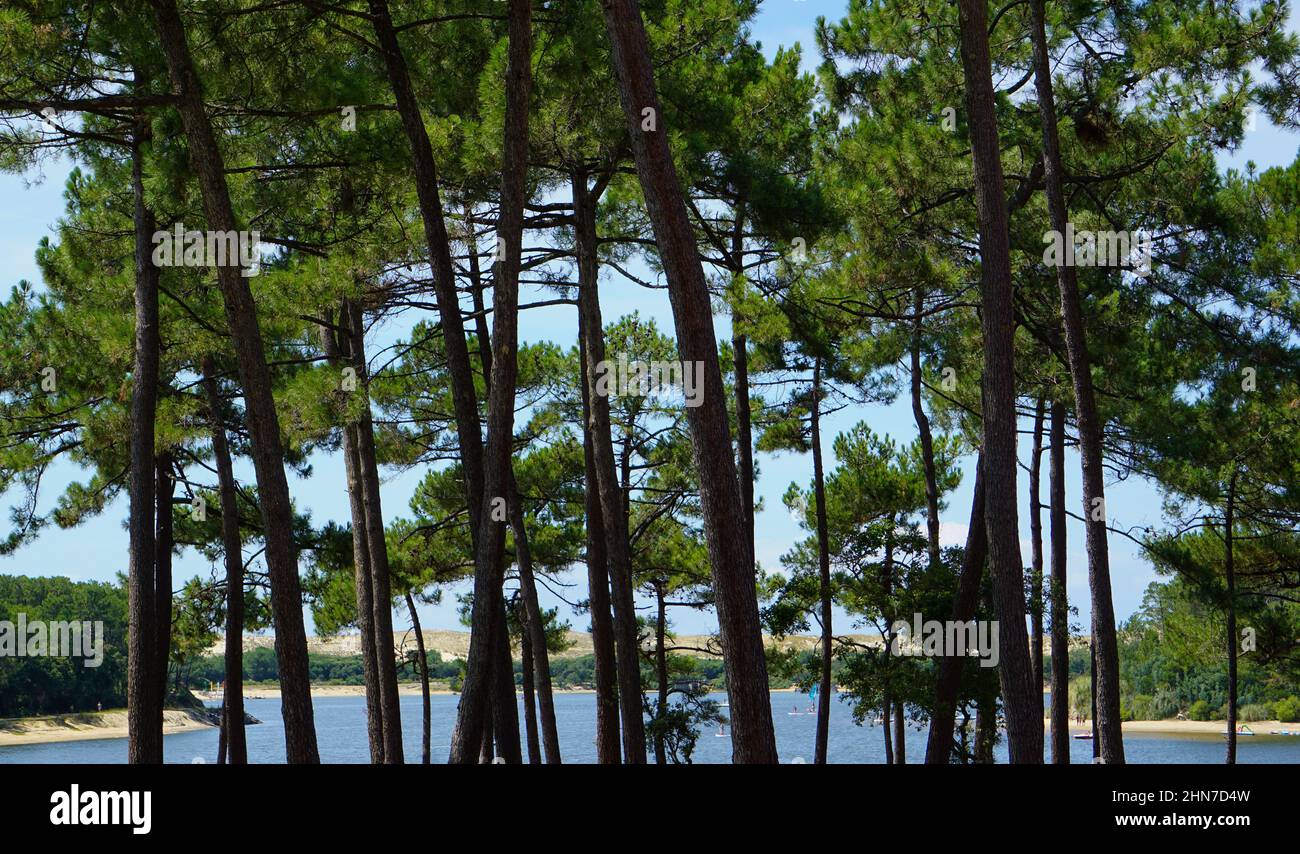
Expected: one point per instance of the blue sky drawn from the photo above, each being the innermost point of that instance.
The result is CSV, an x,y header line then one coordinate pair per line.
x,y
97,550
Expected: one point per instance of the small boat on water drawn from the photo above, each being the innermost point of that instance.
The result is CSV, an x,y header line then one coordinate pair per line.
x,y
1283,732
1083,736
721,733
1241,730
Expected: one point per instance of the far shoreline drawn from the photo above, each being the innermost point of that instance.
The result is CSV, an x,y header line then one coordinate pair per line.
x,y
112,723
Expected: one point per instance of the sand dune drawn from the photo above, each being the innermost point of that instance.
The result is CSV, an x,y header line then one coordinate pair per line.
x,y
90,725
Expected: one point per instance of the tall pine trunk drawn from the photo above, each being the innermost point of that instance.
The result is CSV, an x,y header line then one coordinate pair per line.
x,y
233,553
1060,612
613,511
894,708
530,701
923,430
1092,675
1036,547
1089,421
661,667
493,507
426,704
938,748
381,588
537,677
740,357
887,719
144,719
255,378
900,734
164,543
824,571
360,556
538,669
1024,710
467,738
504,703
602,623
1230,573
731,557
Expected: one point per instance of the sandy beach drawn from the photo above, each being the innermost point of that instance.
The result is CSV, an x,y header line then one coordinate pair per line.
x,y
89,725
1179,727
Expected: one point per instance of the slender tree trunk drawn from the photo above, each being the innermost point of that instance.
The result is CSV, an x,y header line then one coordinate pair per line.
x,y
530,706
539,674
424,679
661,668
1089,421
164,542
986,731
1229,519
144,723
473,710
376,544
494,513
1060,606
464,398
740,355
730,557
887,715
360,560
221,731
965,750
893,714
824,571
887,721
233,552
938,749
744,436
1024,710
1036,548
613,511
900,734
602,624
504,703
1092,673
927,438
255,378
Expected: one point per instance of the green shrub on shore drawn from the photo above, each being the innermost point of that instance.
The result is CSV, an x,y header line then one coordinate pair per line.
x,y
1288,709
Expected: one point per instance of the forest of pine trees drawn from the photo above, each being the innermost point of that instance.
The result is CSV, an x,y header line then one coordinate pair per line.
x,y
323,229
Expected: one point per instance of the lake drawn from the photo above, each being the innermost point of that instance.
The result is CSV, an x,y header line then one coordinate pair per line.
x,y
341,734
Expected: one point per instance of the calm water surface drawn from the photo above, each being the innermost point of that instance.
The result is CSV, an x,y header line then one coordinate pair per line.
x,y
341,734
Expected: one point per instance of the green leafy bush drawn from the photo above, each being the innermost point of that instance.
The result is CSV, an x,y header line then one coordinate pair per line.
x,y
1288,710
1201,711
1140,708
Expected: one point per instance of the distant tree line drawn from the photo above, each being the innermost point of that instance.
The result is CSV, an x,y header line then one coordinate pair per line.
x,y
35,685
